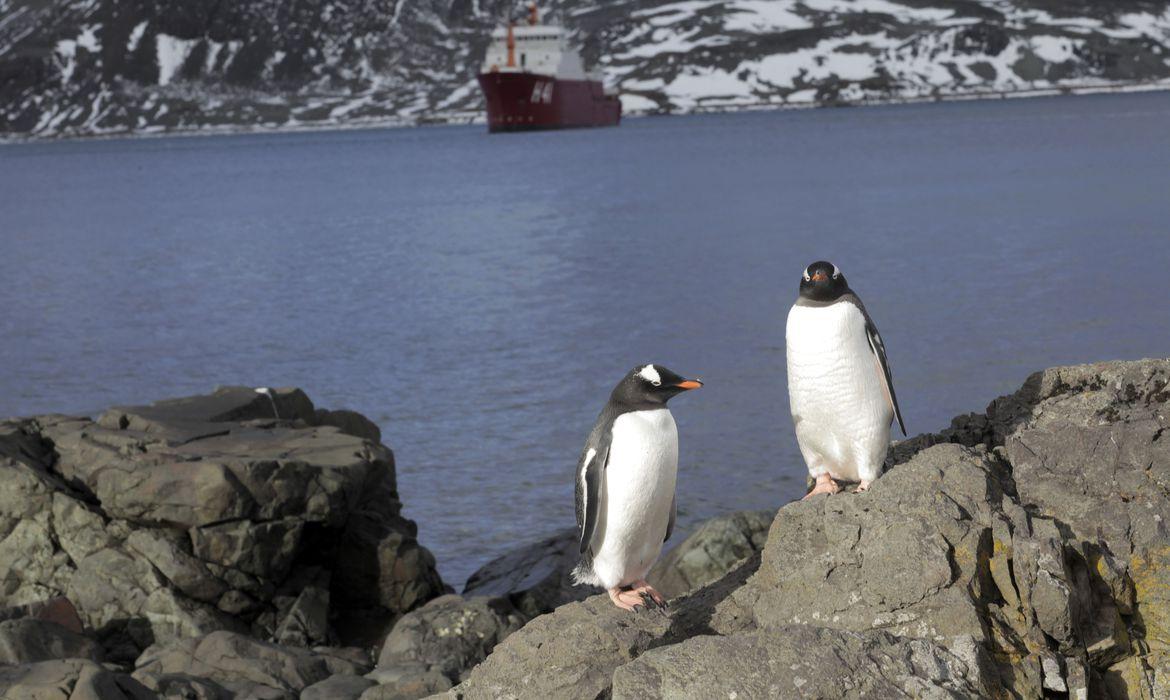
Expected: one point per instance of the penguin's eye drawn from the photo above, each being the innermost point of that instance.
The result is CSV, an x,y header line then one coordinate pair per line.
x,y
836,272
656,382
807,277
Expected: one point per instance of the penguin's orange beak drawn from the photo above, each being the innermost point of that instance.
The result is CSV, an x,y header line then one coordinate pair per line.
x,y
819,276
689,384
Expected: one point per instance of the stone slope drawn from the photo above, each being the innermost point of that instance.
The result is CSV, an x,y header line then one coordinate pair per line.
x,y
1021,552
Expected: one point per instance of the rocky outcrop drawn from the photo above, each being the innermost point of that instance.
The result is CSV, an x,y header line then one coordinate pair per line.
x,y
450,634
1020,553
237,511
574,651
713,549
536,578
436,646
222,546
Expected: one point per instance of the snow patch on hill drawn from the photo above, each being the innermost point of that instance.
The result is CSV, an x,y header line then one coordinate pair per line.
x,y
154,66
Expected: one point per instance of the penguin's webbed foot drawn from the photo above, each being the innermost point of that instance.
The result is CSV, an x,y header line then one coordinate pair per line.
x,y
825,484
652,604
626,599
862,487
652,598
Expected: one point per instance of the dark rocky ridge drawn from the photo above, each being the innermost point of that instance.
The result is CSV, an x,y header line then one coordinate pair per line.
x,y
78,67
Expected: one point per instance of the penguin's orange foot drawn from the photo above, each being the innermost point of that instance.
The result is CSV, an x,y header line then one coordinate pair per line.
x,y
862,487
625,599
825,484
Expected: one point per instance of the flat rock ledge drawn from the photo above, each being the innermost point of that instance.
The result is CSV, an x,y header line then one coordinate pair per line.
x,y
1021,553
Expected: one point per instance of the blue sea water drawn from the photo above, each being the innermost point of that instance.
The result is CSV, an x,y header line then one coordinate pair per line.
x,y
478,296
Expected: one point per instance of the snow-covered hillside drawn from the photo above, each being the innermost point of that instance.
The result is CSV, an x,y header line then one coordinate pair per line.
x,y
116,66
695,53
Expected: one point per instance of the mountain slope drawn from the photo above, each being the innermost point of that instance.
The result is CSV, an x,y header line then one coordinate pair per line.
x,y
70,67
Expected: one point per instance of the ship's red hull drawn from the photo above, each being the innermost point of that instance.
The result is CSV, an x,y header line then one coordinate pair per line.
x,y
527,101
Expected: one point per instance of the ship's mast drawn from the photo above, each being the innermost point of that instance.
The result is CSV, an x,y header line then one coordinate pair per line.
x,y
511,45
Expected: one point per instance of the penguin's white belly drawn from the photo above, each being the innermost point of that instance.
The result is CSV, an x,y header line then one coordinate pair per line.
x,y
639,487
836,392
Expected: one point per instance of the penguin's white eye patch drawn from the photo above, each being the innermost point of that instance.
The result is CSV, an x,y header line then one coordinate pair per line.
x,y
836,272
651,375
807,277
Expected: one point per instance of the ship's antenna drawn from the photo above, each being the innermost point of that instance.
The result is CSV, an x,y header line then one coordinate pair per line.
x,y
533,14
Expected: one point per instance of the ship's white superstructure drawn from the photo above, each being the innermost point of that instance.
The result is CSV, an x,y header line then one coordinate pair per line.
x,y
541,49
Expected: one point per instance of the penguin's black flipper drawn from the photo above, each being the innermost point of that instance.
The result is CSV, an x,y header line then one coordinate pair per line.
x,y
590,472
670,523
879,351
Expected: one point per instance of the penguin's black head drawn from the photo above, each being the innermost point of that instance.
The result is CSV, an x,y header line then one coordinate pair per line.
x,y
651,384
822,281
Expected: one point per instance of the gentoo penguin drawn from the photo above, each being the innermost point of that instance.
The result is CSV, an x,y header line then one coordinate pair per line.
x,y
625,486
839,385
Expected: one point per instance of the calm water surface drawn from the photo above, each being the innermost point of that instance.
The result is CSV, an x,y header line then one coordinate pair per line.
x,y
479,296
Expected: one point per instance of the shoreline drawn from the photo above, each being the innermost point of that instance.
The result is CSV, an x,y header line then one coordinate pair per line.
x,y
473,118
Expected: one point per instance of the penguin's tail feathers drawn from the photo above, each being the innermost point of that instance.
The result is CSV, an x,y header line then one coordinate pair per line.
x,y
583,574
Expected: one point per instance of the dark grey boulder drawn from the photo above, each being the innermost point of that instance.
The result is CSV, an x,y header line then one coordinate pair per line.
x,y
798,662
29,640
170,552
450,634
535,577
236,662
710,552
306,620
345,661
180,686
69,679
406,680
337,688
350,423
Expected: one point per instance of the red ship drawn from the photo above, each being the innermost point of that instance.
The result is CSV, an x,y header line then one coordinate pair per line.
x,y
533,79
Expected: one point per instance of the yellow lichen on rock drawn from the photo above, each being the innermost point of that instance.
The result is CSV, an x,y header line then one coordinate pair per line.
x,y
1151,580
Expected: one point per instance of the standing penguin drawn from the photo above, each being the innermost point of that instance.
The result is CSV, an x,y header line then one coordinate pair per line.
x,y
839,385
625,486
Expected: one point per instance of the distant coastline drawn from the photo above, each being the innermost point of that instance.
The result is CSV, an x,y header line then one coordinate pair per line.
x,y
465,118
